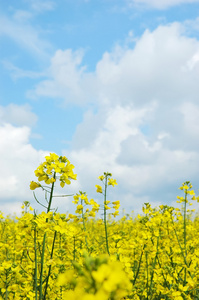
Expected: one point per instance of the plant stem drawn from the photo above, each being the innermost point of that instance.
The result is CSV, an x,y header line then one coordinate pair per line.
x,y
49,270
139,264
74,251
44,241
153,267
105,221
84,226
51,195
147,274
35,275
42,264
185,236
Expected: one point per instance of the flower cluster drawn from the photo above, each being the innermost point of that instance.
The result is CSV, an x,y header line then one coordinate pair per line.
x,y
107,180
99,279
81,200
55,167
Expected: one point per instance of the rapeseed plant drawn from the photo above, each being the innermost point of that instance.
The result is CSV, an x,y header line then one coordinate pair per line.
x,y
53,169
107,180
153,256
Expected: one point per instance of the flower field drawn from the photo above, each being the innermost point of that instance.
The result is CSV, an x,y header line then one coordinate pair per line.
x,y
153,256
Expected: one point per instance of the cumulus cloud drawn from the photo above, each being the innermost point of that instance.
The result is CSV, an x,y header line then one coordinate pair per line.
x,y
156,68
163,4
143,128
18,160
144,169
67,79
17,115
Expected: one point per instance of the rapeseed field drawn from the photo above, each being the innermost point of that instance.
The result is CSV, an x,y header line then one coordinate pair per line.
x,y
54,256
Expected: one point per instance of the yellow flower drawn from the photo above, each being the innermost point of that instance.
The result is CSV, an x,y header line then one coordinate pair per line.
x,y
92,214
102,273
53,165
112,182
107,207
99,188
34,185
107,202
116,202
79,207
62,184
116,206
6,265
116,213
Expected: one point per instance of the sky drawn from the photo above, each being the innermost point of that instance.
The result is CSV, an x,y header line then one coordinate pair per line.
x,y
110,84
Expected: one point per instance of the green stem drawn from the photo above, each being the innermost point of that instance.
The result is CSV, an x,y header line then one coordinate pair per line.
x,y
44,240
153,267
84,226
49,270
74,251
147,274
6,285
185,235
182,252
42,264
35,275
105,221
51,194
139,264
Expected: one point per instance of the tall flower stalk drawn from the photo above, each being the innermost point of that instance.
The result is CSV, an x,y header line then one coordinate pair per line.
x,y
187,188
105,209
54,168
107,181
81,200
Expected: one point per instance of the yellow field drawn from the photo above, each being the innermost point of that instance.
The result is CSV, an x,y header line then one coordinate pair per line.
x,y
80,257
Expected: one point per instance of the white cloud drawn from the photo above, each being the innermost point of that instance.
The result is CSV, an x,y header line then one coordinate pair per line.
x,y
190,112
100,150
150,86
155,69
22,16
41,5
193,62
18,160
160,4
145,128
17,73
17,115
144,169
67,78
9,209
24,34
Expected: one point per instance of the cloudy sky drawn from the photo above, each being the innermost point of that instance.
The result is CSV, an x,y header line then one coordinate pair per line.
x,y
112,85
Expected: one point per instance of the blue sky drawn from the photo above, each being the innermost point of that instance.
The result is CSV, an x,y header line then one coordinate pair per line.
x,y
111,84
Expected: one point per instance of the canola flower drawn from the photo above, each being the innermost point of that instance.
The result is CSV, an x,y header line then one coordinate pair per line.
x,y
146,247
151,256
107,180
99,278
53,167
